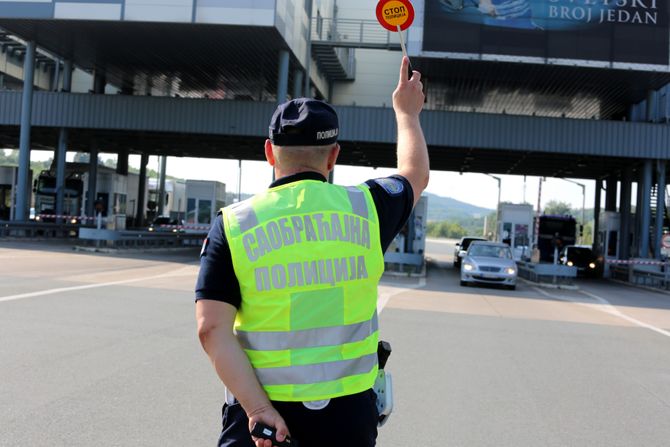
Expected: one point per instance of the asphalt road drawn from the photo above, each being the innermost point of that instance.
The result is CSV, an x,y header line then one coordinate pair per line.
x,y
100,349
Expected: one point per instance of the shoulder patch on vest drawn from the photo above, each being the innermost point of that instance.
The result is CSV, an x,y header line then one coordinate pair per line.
x,y
391,185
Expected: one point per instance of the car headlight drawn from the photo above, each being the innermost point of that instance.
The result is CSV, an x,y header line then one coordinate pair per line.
x,y
38,218
151,228
73,221
510,270
468,267
570,264
592,265
174,230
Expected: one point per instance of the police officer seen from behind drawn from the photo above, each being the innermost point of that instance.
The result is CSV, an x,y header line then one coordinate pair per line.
x,y
287,291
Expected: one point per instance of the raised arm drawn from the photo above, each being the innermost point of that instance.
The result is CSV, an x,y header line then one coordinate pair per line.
x,y
412,151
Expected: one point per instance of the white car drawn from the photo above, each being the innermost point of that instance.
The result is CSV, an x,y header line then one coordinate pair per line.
x,y
462,248
489,263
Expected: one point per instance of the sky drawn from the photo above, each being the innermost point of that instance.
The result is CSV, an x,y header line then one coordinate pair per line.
x,y
476,189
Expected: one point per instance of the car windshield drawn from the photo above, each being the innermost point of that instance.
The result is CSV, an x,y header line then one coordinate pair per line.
x,y
490,251
580,254
162,221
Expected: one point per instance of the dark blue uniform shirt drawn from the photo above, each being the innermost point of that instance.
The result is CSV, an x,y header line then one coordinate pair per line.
x,y
393,198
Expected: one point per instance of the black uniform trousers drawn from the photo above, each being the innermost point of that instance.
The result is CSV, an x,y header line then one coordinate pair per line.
x,y
349,421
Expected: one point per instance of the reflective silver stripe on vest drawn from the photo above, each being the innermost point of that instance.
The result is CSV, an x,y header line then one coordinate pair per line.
x,y
358,204
321,372
246,216
308,338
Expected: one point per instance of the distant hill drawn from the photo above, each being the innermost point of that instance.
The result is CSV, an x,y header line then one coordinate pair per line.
x,y
439,208
446,208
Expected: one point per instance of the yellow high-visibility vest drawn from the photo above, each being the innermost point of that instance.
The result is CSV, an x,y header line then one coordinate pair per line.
x,y
308,259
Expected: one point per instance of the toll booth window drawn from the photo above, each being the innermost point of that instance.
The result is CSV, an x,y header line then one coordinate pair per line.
x,y
507,233
521,235
119,203
611,245
205,211
5,202
190,211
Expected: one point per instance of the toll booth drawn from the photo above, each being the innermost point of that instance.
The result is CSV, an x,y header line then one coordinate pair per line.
x,y
8,179
607,239
204,199
409,246
515,228
111,194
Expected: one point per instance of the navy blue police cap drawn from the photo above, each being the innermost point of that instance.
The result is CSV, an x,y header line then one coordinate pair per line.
x,y
304,122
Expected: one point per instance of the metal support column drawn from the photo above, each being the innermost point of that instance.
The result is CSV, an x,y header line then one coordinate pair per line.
x,y
624,212
139,217
307,88
611,193
637,215
122,162
99,82
23,192
67,75
297,83
650,112
161,186
56,77
660,207
61,150
596,212
645,217
92,180
282,78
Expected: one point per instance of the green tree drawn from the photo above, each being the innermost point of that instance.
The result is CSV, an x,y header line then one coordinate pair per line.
x,y
446,229
557,208
587,235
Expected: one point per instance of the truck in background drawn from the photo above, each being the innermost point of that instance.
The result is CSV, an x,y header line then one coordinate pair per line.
x,y
555,232
45,192
174,208
114,193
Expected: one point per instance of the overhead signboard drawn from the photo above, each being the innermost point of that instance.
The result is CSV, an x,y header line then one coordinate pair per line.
x,y
614,31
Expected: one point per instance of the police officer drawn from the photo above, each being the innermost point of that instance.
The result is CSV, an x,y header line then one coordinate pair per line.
x,y
287,291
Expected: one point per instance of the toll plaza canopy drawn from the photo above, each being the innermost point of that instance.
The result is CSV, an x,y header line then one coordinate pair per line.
x,y
475,142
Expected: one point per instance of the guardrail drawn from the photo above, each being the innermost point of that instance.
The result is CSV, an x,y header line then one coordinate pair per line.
x,y
146,239
32,229
547,273
642,272
103,237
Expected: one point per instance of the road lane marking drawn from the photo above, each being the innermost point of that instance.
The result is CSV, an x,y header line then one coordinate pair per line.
x,y
89,286
383,299
605,307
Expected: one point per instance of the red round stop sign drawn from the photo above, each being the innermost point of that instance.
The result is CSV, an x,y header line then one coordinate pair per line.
x,y
394,13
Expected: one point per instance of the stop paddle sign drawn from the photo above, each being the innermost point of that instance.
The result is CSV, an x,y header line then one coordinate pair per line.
x,y
395,15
